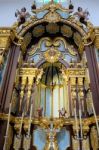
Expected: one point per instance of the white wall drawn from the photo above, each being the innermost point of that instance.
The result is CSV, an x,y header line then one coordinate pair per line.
x,y
8,8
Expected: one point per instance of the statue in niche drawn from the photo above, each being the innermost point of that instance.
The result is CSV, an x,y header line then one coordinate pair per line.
x,y
14,99
89,102
22,16
40,111
63,113
94,138
82,15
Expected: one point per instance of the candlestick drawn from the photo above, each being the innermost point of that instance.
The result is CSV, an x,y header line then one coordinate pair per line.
x,y
7,130
30,119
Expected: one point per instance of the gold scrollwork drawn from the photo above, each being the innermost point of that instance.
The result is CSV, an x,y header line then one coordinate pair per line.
x,y
52,55
66,30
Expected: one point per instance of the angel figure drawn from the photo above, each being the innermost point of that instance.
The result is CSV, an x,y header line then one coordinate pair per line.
x,y
82,15
63,113
40,111
22,16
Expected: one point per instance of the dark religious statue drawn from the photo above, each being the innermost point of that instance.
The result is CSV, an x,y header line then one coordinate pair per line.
x,y
22,15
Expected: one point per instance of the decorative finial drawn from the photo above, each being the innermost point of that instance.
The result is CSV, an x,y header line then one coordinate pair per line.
x,y
71,6
33,5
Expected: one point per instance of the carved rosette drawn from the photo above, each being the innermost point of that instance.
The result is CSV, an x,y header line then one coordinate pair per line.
x,y
52,17
52,55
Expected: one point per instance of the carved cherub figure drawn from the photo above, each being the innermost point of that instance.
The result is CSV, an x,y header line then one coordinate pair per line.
x,y
22,15
40,111
82,15
63,113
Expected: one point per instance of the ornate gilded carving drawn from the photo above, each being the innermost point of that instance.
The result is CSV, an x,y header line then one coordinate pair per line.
x,y
77,38
52,17
85,144
46,121
4,42
67,31
17,143
52,55
79,41
28,72
52,8
94,138
23,84
76,144
52,28
38,31
39,75
97,37
89,102
74,72
1,56
27,38
26,142
27,75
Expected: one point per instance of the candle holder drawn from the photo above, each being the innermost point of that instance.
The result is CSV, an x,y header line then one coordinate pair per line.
x,y
17,129
77,135
51,137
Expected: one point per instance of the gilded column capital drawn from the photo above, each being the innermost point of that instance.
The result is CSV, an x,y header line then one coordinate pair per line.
x,y
5,38
97,37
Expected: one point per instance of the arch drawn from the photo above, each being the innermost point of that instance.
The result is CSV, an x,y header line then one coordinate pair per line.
x,y
74,27
41,62
41,21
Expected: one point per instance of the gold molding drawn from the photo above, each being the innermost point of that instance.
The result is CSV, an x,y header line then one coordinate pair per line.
x,y
90,36
52,55
97,37
45,122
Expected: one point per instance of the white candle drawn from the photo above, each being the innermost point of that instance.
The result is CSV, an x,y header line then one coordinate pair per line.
x,y
76,122
30,119
51,125
21,124
7,130
80,119
97,125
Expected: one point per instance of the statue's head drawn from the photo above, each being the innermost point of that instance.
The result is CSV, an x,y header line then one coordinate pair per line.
x,y
80,9
23,9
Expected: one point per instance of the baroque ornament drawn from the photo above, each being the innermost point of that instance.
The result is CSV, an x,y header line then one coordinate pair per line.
x,y
52,17
52,55
66,30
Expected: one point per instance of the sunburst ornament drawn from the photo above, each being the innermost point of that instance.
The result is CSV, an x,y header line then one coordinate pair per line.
x,y
52,55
